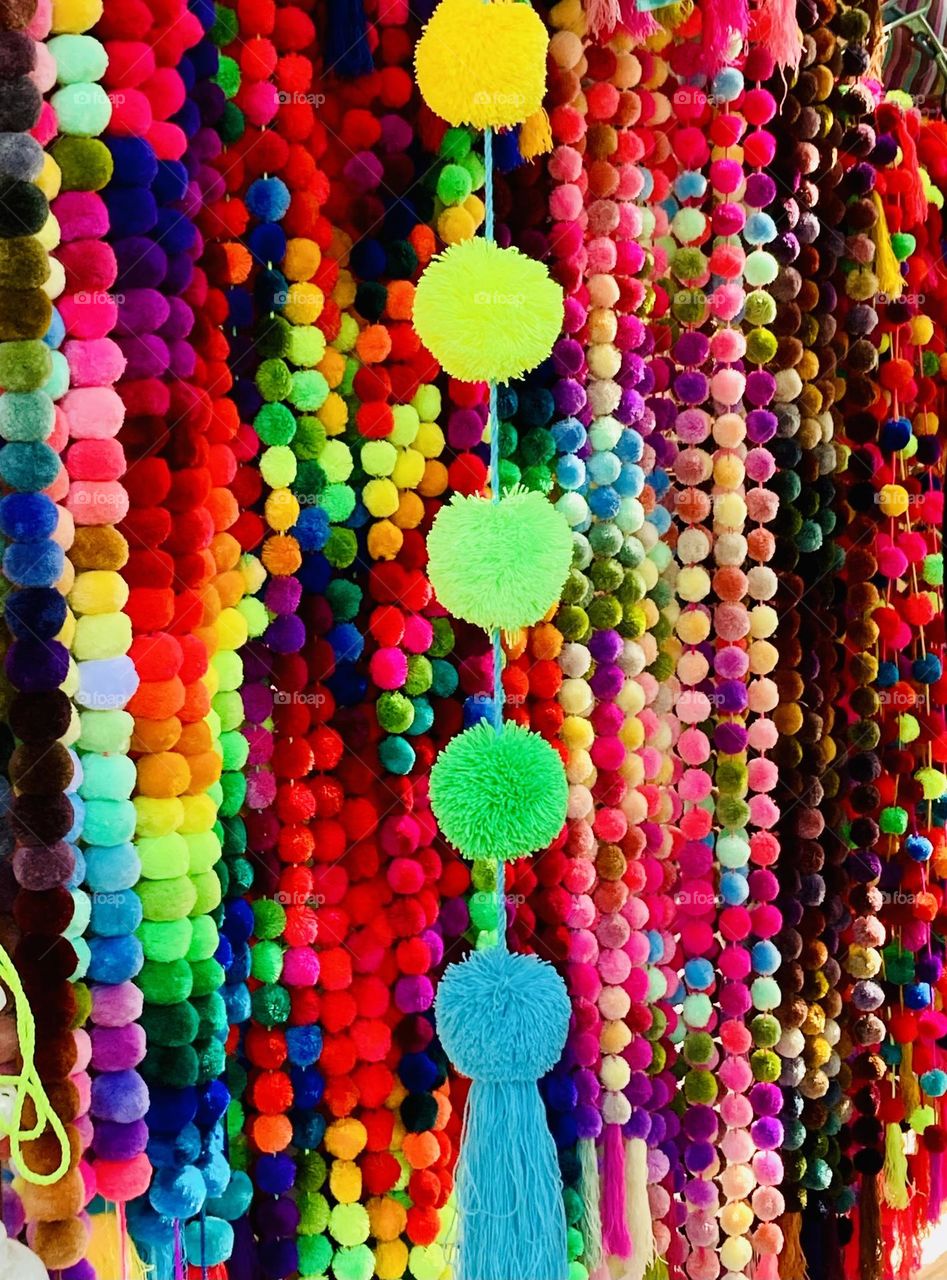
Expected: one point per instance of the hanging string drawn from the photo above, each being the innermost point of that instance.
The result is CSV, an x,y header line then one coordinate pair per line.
x,y
178,1252
27,1085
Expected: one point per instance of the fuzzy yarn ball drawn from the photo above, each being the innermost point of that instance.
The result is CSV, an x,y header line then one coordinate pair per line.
x,y
499,795
499,564
486,313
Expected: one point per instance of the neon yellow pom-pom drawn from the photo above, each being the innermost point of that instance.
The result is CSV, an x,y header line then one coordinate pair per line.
x,y
487,313
482,64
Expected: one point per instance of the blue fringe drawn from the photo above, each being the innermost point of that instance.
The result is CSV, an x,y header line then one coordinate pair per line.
x,y
509,1191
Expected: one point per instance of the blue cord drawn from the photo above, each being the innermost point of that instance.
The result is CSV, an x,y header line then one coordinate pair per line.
x,y
494,424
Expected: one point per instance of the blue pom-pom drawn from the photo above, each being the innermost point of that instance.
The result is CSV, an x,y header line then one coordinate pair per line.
x,y
418,1072
927,669
175,233
134,162
760,228
170,184
238,920
114,960
536,406
240,307
178,1193
569,435
570,472
604,467
308,1087
734,888
423,717
502,1015
887,674
115,914
309,1129
919,848
933,1082
766,957
216,1172
368,259
894,435
34,564
170,1110
690,185
54,335
132,211
347,642
396,755
728,84
917,995
28,466
274,1174
699,974
604,503
213,1102
303,1045
174,1150
36,611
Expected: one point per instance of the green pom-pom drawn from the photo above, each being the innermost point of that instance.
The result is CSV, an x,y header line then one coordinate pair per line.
x,y
270,1005
82,110
338,502
453,184
765,1030
698,1048
342,546
78,58
766,1065
456,143
274,380
174,1024
499,795
500,565
165,983
309,389
700,1087
349,1224
269,918
275,424
86,163
487,313
395,712
231,124
732,812
443,642
307,346
357,1263
24,366
315,1254
420,675
894,820
228,76
344,599
760,346
266,961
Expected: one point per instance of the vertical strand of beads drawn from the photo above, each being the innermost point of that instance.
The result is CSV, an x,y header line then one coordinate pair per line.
x,y
43,819
492,1242
107,678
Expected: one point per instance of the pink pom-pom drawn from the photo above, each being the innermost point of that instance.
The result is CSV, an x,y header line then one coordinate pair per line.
x,y
389,668
300,967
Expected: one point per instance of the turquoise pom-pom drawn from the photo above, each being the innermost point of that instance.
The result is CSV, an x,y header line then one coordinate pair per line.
x,y
499,795
499,564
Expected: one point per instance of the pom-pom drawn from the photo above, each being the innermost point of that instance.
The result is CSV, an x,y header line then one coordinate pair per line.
x,y
486,313
499,795
483,65
499,564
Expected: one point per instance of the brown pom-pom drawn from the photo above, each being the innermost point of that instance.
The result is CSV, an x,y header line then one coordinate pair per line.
x,y
40,717
63,1199
610,862
43,914
24,314
43,1154
16,14
61,1244
56,1059
39,768
64,1100
98,547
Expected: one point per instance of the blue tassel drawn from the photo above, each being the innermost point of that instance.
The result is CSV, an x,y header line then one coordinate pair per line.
x,y
503,1019
347,50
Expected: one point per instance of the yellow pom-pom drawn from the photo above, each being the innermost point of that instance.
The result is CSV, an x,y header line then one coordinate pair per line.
x,y
486,313
408,469
304,303
380,497
429,440
893,499
49,179
455,224
75,15
345,1138
482,64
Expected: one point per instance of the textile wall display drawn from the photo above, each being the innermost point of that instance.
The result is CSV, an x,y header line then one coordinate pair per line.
x,y
473,718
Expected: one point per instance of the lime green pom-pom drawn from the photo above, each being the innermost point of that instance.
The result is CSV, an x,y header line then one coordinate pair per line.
x,y
487,313
348,1223
499,565
499,795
